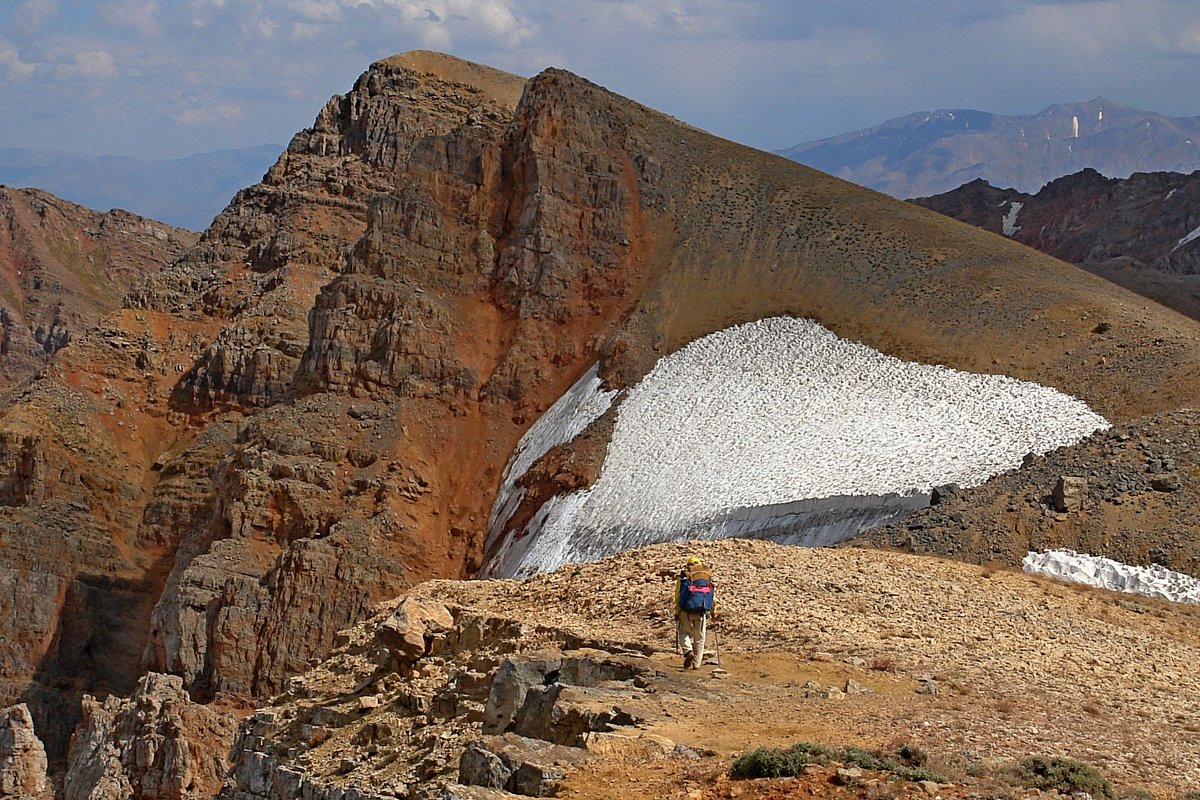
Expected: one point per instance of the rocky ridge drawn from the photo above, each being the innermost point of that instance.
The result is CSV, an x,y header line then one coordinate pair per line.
x,y
311,410
63,266
1138,232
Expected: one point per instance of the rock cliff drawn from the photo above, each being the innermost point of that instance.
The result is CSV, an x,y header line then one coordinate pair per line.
x,y
63,266
311,409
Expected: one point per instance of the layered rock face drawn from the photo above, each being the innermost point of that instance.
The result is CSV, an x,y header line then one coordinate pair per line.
x,y
22,757
312,409
63,266
156,744
1141,232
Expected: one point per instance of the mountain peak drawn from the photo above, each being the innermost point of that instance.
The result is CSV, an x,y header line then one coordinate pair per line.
x,y
503,87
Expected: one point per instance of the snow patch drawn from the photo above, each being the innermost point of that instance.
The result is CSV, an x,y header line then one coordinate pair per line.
x,y
581,405
739,432
1170,194
1074,127
1009,223
1191,237
1152,581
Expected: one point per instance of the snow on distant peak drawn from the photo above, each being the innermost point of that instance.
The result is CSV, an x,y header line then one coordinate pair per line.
x,y
1185,241
1153,581
1009,223
744,423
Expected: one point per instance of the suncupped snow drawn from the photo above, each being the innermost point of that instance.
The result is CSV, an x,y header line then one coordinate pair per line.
x,y
1152,581
723,436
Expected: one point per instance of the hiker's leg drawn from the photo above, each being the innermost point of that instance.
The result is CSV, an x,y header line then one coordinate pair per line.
x,y
681,634
698,638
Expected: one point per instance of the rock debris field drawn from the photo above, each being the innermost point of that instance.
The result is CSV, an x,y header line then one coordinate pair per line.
x,y
768,413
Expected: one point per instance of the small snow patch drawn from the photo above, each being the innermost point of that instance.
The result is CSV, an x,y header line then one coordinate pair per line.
x,y
1152,581
1011,228
1191,237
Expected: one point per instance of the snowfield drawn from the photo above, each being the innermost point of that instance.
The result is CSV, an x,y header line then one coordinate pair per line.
x,y
770,413
1152,581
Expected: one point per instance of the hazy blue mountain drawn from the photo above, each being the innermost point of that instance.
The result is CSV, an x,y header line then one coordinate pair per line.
x,y
185,192
931,152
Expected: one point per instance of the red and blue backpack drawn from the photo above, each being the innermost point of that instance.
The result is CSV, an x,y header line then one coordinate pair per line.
x,y
696,590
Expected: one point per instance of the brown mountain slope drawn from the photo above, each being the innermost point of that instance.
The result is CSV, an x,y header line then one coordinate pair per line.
x,y
63,266
1009,665
1138,232
311,410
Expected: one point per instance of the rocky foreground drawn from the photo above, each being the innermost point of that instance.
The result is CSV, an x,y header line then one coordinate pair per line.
x,y
569,682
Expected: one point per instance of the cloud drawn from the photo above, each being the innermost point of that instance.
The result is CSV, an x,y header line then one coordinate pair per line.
x,y
11,65
31,15
137,15
89,65
210,113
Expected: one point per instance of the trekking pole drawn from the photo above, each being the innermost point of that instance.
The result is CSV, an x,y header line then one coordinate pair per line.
x,y
716,647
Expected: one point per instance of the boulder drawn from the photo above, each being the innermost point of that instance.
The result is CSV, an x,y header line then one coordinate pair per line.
x,y
524,766
563,714
1069,493
410,628
515,676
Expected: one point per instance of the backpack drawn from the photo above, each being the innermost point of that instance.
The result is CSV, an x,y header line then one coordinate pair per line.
x,y
696,591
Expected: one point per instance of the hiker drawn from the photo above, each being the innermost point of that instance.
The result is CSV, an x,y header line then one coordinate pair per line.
x,y
694,594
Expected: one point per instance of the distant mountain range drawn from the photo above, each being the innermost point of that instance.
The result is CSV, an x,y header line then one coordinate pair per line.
x,y
184,192
1142,232
930,152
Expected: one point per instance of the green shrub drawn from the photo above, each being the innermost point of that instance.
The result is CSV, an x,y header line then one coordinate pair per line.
x,y
1064,775
765,762
762,762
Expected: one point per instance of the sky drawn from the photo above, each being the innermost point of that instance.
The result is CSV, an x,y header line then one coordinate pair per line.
x,y
163,79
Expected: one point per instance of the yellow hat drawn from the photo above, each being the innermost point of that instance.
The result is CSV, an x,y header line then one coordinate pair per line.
x,y
694,560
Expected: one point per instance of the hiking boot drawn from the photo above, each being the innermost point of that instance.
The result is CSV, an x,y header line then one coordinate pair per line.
x,y
689,660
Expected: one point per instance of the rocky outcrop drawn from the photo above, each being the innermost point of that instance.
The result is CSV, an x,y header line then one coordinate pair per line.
x,y
395,716
22,757
63,267
1127,493
155,744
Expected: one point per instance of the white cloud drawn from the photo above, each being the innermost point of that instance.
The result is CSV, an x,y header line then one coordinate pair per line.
x,y
210,114
317,10
11,65
88,65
